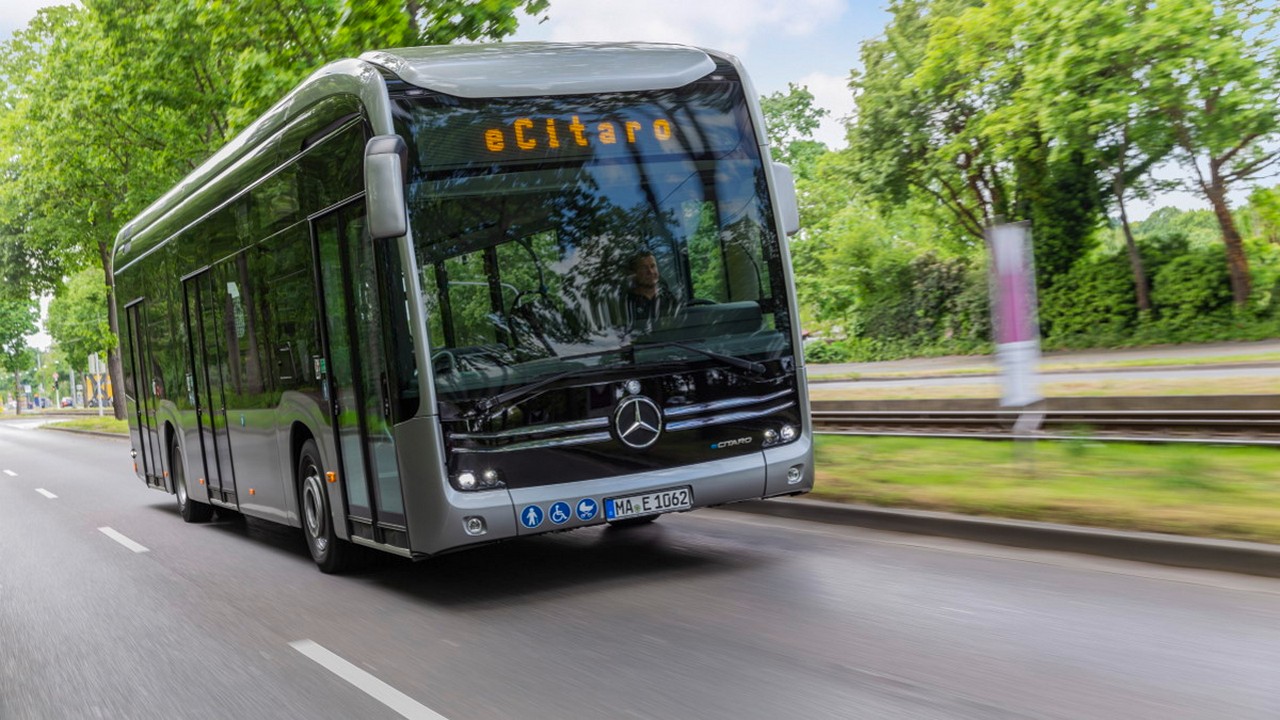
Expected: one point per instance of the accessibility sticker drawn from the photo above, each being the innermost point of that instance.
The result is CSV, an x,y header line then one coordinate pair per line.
x,y
531,516
560,513
587,509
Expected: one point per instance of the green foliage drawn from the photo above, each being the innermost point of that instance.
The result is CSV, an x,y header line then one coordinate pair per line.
x,y
1192,286
790,119
17,321
78,318
1094,300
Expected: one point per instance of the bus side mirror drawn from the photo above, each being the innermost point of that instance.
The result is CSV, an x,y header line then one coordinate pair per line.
x,y
784,184
386,162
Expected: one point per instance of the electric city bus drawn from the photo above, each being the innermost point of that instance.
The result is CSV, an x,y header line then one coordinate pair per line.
x,y
439,297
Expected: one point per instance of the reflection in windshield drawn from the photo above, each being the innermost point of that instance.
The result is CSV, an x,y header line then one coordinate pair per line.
x,y
539,258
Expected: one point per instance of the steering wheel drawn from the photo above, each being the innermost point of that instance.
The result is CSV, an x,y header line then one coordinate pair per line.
x,y
444,362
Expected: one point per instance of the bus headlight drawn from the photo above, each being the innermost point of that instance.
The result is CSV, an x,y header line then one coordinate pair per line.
x,y
485,480
785,434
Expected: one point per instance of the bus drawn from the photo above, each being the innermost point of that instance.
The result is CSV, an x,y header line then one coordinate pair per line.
x,y
439,297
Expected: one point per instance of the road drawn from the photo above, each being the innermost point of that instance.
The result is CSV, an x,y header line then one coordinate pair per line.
x,y
707,615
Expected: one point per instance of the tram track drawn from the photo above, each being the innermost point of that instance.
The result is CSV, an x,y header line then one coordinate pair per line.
x,y
1227,420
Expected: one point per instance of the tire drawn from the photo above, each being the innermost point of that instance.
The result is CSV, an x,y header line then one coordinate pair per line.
x,y
331,553
191,511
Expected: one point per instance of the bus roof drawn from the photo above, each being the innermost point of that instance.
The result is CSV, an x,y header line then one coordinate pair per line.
x,y
473,71
527,69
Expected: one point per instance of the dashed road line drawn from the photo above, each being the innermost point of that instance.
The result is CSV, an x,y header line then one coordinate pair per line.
x,y
372,686
10,473
136,547
46,493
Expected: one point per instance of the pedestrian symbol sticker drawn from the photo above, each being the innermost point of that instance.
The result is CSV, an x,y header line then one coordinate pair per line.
x,y
587,509
531,516
559,513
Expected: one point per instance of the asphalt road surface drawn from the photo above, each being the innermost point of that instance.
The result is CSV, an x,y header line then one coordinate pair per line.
x,y
706,615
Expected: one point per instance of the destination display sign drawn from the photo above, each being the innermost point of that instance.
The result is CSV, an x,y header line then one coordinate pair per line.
x,y
510,131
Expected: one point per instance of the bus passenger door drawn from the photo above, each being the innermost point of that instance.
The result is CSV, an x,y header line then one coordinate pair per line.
x,y
149,455
204,323
354,336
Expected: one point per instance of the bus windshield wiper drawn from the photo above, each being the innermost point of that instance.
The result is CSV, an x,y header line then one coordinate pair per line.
x,y
750,366
484,406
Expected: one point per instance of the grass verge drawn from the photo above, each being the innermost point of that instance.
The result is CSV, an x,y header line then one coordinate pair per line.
x,y
96,424
1200,490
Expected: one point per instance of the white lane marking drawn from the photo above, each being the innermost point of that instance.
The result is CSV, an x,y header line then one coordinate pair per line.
x,y
372,686
46,493
10,473
122,540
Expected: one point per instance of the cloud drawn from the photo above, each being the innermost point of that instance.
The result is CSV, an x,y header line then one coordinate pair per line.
x,y
15,14
709,23
832,93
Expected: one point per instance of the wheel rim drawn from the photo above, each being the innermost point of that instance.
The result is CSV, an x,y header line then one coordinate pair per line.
x,y
313,508
179,480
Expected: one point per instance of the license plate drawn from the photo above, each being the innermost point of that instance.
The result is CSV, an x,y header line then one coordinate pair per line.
x,y
648,503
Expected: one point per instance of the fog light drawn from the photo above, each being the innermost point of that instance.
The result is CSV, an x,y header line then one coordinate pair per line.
x,y
788,433
795,474
467,481
474,525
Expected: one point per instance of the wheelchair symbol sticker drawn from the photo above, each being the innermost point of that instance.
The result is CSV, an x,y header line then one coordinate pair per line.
x,y
559,513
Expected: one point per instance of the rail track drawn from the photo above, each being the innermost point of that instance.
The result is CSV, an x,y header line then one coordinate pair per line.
x,y
1228,420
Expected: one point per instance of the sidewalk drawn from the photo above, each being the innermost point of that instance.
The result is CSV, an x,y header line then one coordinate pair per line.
x,y
977,363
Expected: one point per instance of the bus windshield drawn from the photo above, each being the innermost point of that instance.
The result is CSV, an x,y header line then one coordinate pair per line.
x,y
576,233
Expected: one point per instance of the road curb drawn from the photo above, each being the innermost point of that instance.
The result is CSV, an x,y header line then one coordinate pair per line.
x,y
118,436
1202,553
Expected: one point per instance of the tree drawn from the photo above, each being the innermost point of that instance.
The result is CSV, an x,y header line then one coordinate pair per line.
x,y
148,90
17,321
938,115
790,119
1089,90
77,319
1217,84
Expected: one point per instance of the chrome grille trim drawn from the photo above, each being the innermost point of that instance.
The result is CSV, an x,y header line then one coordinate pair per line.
x,y
694,423
575,425
717,405
546,443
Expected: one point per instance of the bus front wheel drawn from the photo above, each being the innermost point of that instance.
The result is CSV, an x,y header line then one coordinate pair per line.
x,y
328,550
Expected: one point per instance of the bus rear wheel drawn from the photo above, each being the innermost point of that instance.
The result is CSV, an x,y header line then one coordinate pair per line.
x,y
191,511
330,552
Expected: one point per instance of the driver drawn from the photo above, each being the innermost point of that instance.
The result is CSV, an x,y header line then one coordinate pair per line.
x,y
646,298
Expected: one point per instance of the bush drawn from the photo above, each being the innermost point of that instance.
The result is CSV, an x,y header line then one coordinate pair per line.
x,y
1191,287
1095,299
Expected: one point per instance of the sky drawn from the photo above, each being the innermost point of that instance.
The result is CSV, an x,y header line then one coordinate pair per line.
x,y
809,42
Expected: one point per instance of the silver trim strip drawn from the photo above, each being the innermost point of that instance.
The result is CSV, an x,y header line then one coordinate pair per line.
x,y
549,442
726,418
572,426
682,410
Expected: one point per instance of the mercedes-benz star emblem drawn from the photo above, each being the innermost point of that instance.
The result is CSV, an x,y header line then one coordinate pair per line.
x,y
637,422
